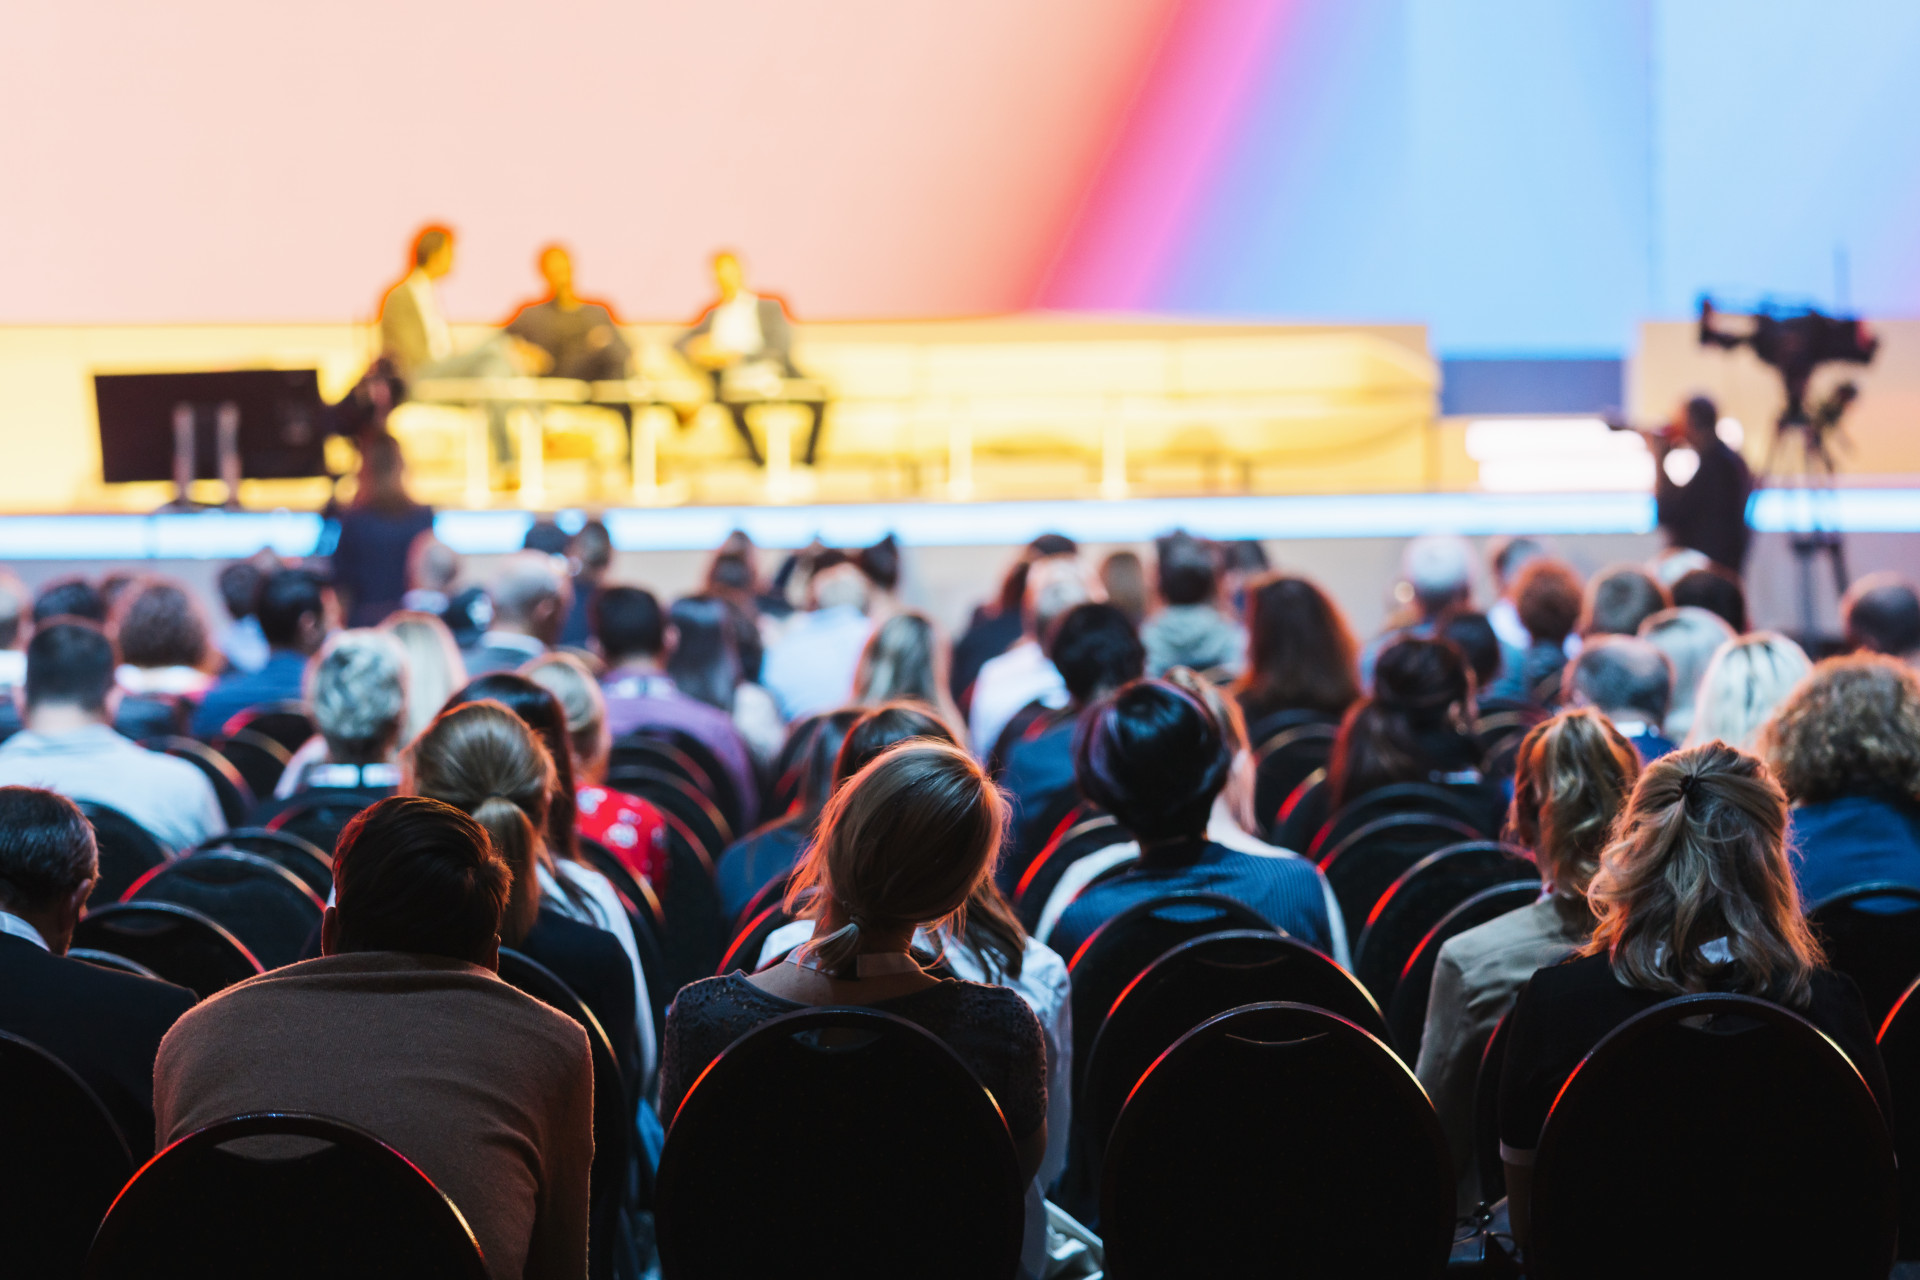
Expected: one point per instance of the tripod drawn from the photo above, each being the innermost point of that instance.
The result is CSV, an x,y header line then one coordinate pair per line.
x,y
1800,460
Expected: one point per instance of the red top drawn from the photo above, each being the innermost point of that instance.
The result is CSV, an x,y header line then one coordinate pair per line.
x,y
631,829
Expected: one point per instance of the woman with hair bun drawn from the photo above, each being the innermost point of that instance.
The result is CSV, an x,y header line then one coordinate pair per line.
x,y
1153,757
1694,894
901,848
1572,776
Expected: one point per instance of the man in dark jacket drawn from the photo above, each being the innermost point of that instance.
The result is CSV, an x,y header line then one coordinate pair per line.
x,y
1708,511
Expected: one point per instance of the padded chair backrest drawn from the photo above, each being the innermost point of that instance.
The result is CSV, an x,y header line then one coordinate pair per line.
x,y
1415,902
127,851
258,758
1407,1007
612,1118
1364,865
1400,798
1121,949
1286,758
286,722
743,952
107,960
64,1162
1730,1131
643,915
908,1168
687,756
307,860
142,716
321,816
1900,1052
354,1207
1871,933
264,905
1090,832
235,796
1193,982
1277,1139
692,932
1486,1111
177,943
1293,825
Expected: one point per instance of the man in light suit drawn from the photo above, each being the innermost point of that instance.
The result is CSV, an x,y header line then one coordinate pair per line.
x,y
738,337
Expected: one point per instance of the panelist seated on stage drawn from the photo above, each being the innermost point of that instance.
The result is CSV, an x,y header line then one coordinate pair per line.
x,y
744,342
570,337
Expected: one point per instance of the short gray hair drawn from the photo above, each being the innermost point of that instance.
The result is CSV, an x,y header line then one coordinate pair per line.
x,y
525,581
1688,636
1621,673
1439,569
357,690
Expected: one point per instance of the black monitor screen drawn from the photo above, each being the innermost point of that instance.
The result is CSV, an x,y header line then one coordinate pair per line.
x,y
281,422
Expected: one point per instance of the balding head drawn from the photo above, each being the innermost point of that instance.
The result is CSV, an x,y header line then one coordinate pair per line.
x,y
530,595
1054,585
1625,677
1881,614
1438,568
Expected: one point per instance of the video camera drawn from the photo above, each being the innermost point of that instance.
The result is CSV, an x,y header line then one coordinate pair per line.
x,y
1794,342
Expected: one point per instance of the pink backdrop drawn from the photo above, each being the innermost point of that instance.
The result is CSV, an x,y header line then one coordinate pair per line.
x,y
217,160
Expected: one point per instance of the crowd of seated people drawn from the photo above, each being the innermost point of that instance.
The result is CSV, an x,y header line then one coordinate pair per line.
x,y
546,762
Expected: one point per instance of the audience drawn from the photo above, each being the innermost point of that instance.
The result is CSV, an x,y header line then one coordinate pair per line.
x,y
433,664
357,696
762,857
1096,652
1153,757
1688,636
1190,630
1546,599
165,651
1123,579
531,597
402,1028
905,658
1845,747
1436,579
590,551
297,612
103,1024
1630,682
69,598
1510,555
377,531
432,569
707,664
1694,893
242,643
1881,614
902,848
1572,777
1620,598
630,632
69,744
1476,640
1744,681
1024,674
1716,590
628,827
810,669
1301,656
1001,623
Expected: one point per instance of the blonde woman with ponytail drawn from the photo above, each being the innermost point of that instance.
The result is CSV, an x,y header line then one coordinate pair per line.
x,y
901,847
482,759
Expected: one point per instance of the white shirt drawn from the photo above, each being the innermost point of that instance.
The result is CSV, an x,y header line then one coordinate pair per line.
x,y
811,668
13,668
1006,684
604,911
14,926
735,326
427,299
170,798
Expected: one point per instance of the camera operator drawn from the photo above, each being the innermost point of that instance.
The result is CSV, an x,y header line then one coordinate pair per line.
x,y
1708,513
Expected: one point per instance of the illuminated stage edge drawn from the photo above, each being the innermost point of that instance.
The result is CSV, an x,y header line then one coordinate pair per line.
x,y
218,535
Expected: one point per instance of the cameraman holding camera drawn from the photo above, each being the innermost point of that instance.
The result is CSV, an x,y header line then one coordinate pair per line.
x,y
1708,511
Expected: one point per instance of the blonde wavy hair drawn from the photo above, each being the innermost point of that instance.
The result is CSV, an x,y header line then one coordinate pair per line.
x,y
1851,728
1699,856
1572,776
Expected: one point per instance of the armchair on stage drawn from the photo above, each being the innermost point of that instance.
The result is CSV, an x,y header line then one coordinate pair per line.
x,y
960,409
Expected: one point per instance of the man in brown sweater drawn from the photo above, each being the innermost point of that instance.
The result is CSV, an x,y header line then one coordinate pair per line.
x,y
403,1028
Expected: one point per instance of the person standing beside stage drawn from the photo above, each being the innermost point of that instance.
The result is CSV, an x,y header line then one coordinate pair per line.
x,y
1707,511
743,336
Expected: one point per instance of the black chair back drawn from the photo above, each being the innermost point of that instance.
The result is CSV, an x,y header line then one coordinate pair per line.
x,y
141,716
64,1161
609,1181
643,916
1459,803
1290,748
692,934
784,788
264,905
674,795
1486,1111
320,815
1900,1052
235,796
354,1207
678,753
1090,832
743,952
1364,864
1277,1139
286,722
1871,933
1714,1135
1121,949
107,960
127,851
1418,900
1407,1007
307,860
258,759
175,942
1193,982
906,1156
